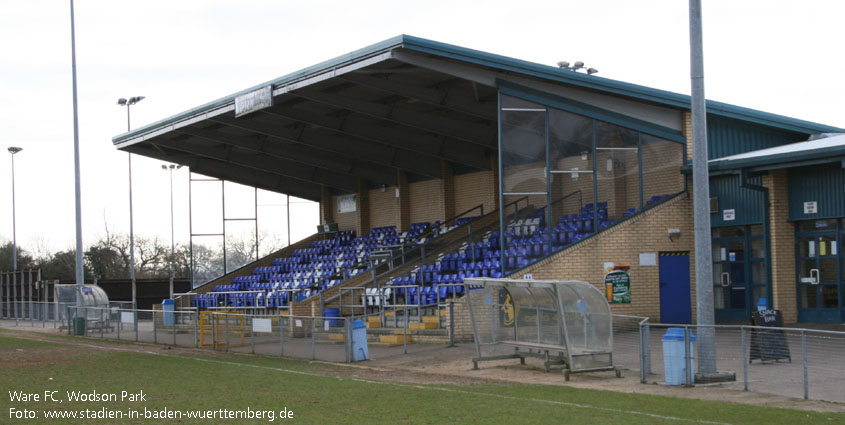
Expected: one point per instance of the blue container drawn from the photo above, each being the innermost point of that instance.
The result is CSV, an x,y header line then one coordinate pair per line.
x,y
360,350
333,312
168,307
673,356
761,304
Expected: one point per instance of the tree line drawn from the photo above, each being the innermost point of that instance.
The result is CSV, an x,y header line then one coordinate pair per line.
x,y
109,258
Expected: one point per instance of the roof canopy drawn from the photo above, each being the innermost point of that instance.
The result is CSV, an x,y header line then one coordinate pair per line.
x,y
403,104
830,148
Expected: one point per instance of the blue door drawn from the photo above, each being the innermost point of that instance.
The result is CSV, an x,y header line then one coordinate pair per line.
x,y
675,288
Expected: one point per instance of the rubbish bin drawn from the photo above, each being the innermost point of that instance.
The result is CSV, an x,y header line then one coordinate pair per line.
x,y
167,306
360,350
673,356
761,304
330,313
78,325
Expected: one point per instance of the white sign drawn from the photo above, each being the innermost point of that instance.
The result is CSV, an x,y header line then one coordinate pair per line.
x,y
648,259
732,256
346,203
811,207
729,215
528,276
254,101
262,325
326,325
127,317
299,323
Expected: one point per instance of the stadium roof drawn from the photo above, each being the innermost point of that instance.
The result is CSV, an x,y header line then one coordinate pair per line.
x,y
830,148
405,103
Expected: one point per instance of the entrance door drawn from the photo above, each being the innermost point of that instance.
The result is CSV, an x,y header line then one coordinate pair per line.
x,y
818,271
731,291
675,288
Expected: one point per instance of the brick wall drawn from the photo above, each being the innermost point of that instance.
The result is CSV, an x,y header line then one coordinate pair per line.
x,y
426,201
345,221
475,189
782,246
645,233
384,208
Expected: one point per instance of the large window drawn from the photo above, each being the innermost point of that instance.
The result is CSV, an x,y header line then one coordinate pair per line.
x,y
572,175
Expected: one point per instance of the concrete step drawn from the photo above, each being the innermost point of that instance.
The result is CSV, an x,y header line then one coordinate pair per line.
x,y
423,325
394,339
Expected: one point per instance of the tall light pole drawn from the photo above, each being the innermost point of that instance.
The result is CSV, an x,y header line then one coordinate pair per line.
x,y
171,167
13,150
127,103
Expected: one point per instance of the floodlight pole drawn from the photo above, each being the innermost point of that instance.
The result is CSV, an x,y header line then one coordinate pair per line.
x,y
172,167
80,271
128,103
13,150
701,195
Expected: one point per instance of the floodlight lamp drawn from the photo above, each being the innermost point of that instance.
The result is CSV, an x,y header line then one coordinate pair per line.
x,y
121,101
578,65
563,64
592,71
163,166
135,99
14,149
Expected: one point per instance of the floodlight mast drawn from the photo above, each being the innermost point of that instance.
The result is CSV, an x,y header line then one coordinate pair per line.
x,y
127,103
701,205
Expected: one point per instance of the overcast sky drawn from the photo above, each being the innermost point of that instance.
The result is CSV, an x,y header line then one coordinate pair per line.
x,y
783,57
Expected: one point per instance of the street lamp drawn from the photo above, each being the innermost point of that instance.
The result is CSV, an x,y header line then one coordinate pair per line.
x,y
13,150
127,103
171,167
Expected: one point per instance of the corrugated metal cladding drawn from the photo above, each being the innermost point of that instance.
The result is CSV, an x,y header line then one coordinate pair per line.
x,y
746,203
726,137
822,184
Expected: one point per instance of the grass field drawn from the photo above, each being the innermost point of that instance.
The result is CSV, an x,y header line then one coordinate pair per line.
x,y
316,393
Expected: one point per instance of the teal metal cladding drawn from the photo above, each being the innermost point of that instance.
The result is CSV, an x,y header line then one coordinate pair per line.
x,y
824,184
727,136
746,203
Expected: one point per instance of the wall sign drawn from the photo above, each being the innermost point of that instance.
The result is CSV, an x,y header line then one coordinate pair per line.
x,y
811,207
346,203
729,215
253,101
617,286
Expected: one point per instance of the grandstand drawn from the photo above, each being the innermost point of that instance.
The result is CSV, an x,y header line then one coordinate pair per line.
x,y
558,174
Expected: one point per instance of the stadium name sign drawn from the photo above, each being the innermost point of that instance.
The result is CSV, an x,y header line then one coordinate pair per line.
x,y
254,101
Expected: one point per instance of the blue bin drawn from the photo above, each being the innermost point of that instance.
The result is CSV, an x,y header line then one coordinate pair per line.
x,y
333,312
360,350
673,356
761,304
168,307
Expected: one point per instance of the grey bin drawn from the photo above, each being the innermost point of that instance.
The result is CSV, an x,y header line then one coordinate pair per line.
x,y
79,325
360,350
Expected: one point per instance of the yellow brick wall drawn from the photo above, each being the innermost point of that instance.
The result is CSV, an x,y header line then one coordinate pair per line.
x,y
384,207
646,233
345,221
475,189
782,249
426,201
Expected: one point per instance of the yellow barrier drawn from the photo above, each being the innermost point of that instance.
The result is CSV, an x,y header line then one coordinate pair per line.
x,y
217,327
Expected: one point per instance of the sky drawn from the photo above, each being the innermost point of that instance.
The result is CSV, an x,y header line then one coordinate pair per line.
x,y
782,57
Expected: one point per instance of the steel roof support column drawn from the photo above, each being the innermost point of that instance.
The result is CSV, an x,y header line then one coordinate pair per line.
x,y
404,196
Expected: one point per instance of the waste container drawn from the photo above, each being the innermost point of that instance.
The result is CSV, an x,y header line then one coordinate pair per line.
x,y
673,356
333,312
360,350
761,304
78,326
167,306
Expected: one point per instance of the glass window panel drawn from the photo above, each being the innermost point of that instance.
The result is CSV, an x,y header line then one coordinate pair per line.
x,y
809,298
813,225
830,296
617,172
524,148
718,269
758,248
720,297
804,267
736,251
662,162
757,230
758,273
758,292
806,247
571,151
719,252
827,270
826,246
728,232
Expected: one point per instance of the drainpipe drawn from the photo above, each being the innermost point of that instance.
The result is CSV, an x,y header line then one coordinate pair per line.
x,y
745,184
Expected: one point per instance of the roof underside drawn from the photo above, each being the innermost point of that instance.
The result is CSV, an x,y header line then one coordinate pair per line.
x,y
365,115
